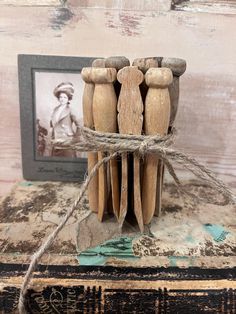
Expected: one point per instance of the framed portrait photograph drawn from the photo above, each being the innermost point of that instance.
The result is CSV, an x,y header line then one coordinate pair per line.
x,y
51,90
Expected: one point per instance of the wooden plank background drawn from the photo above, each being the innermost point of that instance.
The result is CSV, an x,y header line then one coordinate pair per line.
x,y
207,116
30,2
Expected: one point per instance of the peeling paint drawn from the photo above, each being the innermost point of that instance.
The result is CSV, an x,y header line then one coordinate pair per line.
x,y
217,232
186,237
175,260
190,239
25,183
120,248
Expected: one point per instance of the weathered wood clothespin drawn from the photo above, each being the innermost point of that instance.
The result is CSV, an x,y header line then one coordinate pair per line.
x,y
116,62
105,120
156,121
99,63
143,65
130,121
178,67
87,101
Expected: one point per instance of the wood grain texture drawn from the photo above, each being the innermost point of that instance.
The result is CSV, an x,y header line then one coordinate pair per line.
x,y
130,121
206,120
31,2
87,102
105,120
139,5
178,67
10,154
182,237
156,121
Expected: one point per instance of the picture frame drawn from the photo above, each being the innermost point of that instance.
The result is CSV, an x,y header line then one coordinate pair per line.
x,y
43,80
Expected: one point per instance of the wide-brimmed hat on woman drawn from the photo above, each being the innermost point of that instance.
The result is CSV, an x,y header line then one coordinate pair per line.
x,y
64,87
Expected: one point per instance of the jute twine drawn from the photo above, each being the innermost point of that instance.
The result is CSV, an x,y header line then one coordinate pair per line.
x,y
116,144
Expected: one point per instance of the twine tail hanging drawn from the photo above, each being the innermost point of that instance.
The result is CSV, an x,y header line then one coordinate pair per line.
x,y
117,144
42,249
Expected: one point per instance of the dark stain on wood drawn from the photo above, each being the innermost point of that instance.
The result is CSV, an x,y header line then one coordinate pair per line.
x,y
124,22
175,3
203,192
218,250
148,246
119,273
24,247
60,17
206,193
39,234
172,190
21,246
20,212
173,208
64,247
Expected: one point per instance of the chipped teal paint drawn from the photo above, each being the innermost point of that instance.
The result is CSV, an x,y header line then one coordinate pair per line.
x,y
120,248
93,260
26,183
190,239
174,259
216,231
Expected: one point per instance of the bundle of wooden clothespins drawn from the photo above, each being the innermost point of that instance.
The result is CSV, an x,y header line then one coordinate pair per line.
x,y
138,99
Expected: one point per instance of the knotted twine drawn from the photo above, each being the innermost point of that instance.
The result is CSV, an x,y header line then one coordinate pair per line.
x,y
117,144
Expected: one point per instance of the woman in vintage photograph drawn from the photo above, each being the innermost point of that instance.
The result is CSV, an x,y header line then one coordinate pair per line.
x,y
63,124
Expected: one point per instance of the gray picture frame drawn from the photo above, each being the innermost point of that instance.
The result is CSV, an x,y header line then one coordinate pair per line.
x,y
36,167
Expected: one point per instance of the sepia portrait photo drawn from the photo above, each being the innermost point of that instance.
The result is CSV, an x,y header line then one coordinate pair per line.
x,y
51,92
58,108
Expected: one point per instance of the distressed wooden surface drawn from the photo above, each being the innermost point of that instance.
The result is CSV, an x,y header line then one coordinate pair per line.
x,y
187,234
206,119
34,209
184,262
